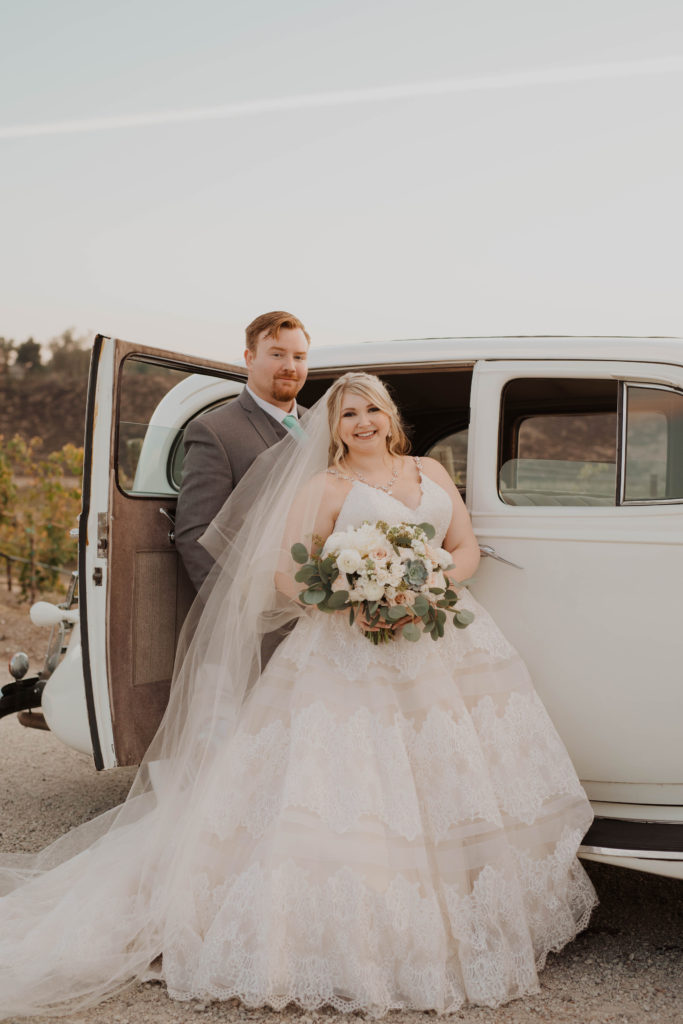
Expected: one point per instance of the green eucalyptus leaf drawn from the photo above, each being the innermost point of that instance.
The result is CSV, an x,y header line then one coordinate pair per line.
x,y
396,612
464,616
299,553
410,632
428,529
304,574
338,599
313,596
421,606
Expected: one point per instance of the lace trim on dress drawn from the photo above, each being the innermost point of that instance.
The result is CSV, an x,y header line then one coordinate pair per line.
x,y
343,943
388,770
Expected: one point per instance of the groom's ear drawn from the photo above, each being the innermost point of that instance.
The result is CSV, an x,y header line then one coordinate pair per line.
x,y
248,357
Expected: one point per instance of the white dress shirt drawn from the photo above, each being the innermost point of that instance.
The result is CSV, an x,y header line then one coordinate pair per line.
x,y
273,410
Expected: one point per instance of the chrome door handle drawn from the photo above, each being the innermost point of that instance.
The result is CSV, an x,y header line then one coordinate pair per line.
x,y
486,549
170,515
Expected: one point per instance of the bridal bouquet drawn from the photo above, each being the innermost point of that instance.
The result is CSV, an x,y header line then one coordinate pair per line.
x,y
384,574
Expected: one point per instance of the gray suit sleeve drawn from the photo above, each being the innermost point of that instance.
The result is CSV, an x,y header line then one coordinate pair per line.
x,y
207,482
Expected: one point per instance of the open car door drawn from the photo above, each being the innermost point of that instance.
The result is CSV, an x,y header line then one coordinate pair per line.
x,y
134,592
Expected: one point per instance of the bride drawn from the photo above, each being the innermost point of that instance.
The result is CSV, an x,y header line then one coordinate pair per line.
x,y
369,827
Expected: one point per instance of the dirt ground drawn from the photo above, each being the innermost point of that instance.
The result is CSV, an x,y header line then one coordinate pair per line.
x,y
17,632
627,968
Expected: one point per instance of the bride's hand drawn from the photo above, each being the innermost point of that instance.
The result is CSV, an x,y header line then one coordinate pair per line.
x,y
362,623
393,626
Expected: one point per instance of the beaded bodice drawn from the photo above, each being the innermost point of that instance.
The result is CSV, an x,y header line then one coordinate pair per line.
x,y
367,503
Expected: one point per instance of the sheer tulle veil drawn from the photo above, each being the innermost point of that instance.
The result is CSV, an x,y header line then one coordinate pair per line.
x,y
85,916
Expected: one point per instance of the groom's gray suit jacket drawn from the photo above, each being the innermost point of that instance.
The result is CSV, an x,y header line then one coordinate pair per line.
x,y
220,446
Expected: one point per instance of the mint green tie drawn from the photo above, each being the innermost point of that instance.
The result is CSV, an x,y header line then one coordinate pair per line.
x,y
291,422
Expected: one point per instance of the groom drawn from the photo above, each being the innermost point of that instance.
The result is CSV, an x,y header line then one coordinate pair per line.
x,y
221,445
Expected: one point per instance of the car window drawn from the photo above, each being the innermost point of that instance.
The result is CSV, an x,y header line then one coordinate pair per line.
x,y
176,459
558,443
156,402
654,444
143,436
451,452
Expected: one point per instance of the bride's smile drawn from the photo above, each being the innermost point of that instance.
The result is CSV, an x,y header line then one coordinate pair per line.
x,y
363,427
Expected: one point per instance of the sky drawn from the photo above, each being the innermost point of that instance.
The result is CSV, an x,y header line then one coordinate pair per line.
x,y
381,168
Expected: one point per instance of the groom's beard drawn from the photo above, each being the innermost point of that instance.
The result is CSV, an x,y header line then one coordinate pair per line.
x,y
285,388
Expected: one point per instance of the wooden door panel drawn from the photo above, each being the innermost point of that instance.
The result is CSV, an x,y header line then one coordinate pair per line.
x,y
146,611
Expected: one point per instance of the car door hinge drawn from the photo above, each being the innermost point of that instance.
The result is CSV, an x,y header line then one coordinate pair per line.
x,y
102,539
97,576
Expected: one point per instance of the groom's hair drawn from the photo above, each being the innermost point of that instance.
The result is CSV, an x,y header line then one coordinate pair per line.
x,y
271,323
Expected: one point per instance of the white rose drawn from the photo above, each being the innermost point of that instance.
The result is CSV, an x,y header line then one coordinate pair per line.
x,y
368,542
443,558
348,560
335,542
356,542
373,591
396,574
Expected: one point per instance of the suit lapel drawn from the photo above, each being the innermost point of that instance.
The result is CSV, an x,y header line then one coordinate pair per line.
x,y
268,429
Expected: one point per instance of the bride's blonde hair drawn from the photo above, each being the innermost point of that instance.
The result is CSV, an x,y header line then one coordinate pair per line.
x,y
373,390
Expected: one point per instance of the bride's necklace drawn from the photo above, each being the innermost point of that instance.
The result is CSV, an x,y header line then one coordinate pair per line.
x,y
357,475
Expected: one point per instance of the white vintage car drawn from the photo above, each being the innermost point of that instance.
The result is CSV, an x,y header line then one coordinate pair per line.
x,y
570,454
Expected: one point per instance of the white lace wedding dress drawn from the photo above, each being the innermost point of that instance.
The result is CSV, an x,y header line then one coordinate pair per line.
x,y
390,826
395,826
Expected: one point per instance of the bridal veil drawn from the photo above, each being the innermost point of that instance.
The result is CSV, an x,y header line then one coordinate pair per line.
x,y
84,917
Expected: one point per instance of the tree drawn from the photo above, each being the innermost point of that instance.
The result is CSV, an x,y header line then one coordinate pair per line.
x,y
69,355
7,350
29,355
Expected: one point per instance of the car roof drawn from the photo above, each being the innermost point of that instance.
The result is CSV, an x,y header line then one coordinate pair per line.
x,y
448,350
